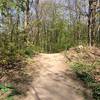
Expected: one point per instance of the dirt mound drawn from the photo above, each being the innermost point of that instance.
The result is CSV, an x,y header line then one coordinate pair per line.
x,y
88,54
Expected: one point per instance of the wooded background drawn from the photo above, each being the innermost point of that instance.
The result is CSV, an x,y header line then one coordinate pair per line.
x,y
48,25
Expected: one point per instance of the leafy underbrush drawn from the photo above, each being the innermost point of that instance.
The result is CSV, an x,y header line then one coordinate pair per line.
x,y
90,75
8,68
31,50
7,92
12,63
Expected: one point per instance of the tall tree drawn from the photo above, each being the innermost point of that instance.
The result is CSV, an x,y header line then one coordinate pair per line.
x,y
92,22
37,19
27,9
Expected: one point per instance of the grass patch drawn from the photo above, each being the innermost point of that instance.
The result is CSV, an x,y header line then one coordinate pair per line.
x,y
88,73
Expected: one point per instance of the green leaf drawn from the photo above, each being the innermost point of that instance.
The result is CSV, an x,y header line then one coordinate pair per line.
x,y
5,90
2,86
10,98
10,86
12,4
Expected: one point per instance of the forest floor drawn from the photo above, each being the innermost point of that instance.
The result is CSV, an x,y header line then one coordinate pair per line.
x,y
52,79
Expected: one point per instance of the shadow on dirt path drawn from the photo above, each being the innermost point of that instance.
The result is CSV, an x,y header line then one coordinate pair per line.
x,y
54,80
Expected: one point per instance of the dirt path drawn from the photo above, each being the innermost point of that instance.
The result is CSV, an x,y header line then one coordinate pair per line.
x,y
55,80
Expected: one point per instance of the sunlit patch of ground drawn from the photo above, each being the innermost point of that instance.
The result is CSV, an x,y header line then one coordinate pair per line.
x,y
53,80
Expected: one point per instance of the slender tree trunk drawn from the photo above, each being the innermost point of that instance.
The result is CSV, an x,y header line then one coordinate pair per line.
x,y
92,22
37,19
26,23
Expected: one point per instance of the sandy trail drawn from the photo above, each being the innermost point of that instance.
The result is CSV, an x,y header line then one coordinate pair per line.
x,y
55,81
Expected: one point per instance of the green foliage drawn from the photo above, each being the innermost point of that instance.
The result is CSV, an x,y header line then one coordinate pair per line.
x,y
54,33
3,88
85,73
4,4
96,91
81,67
60,35
9,90
30,49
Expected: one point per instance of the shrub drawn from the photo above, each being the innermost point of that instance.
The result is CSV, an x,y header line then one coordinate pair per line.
x,y
96,91
85,73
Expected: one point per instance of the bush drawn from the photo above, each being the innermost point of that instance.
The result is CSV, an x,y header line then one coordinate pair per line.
x,y
85,73
8,92
96,91
30,50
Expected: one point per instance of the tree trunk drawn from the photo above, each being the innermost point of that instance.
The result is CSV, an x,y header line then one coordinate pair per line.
x,y
26,14
37,19
92,22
